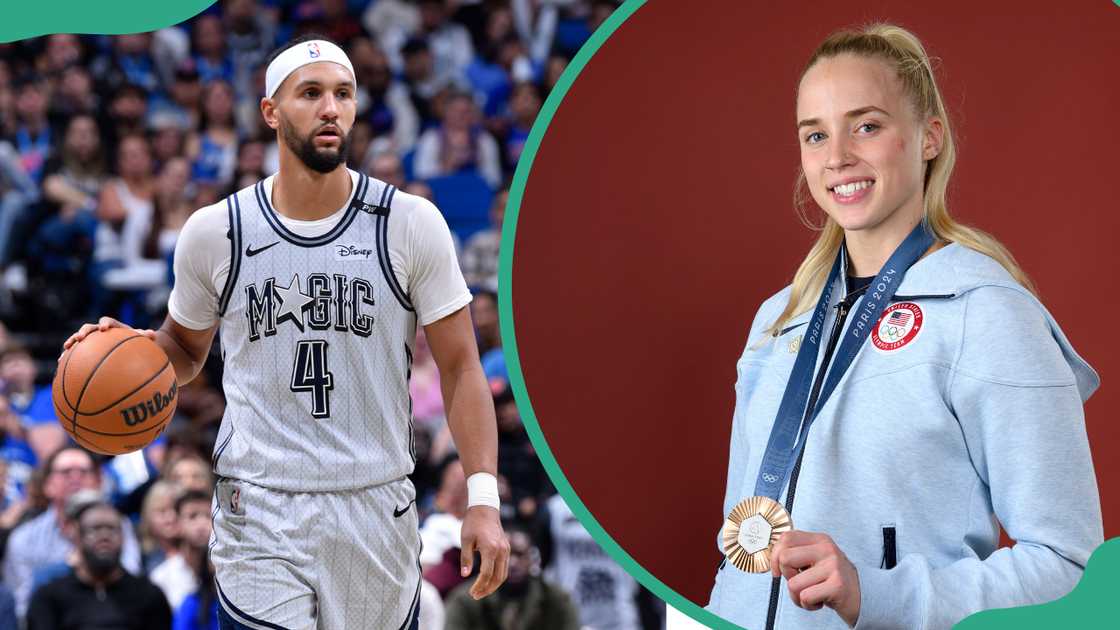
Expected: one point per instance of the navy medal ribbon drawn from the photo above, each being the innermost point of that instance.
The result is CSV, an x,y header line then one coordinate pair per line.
x,y
786,441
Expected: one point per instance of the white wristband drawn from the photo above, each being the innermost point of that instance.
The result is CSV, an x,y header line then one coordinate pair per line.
x,y
482,489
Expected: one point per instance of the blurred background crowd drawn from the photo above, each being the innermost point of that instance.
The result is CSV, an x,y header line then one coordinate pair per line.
x,y
109,143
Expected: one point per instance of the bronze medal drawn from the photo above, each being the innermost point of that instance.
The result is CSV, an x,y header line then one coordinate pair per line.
x,y
750,531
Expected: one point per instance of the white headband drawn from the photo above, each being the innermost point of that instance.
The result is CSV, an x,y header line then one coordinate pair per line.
x,y
298,56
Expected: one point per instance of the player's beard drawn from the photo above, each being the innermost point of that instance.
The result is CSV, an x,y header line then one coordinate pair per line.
x,y
321,160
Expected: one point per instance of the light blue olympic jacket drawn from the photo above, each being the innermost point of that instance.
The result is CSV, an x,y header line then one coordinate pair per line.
x,y
921,448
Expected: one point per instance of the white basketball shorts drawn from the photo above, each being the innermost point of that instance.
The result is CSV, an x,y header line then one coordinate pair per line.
x,y
317,560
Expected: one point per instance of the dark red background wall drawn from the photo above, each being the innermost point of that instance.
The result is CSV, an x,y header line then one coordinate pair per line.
x,y
657,217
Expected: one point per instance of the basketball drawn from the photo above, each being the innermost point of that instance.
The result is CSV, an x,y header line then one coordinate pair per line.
x,y
114,391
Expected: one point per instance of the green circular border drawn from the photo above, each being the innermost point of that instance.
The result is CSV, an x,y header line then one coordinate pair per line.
x,y
509,338
24,20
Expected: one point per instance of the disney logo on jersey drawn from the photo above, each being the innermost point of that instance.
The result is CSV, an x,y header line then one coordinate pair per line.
x,y
334,301
356,251
136,414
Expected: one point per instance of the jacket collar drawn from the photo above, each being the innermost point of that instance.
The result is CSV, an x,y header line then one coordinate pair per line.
x,y
930,276
952,272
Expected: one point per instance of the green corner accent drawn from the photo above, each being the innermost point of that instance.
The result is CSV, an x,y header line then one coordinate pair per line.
x,y
509,340
115,17
1089,597
1088,605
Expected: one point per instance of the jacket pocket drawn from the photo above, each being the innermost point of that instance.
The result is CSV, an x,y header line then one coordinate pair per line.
x,y
890,551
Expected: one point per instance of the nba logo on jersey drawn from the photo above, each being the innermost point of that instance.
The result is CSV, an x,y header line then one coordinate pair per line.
x,y
313,49
229,496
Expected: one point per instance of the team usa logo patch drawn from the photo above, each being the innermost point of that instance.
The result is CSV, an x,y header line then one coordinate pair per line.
x,y
313,49
899,325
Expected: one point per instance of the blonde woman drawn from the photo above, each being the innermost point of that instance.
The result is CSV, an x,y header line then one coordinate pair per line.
x,y
907,390
159,525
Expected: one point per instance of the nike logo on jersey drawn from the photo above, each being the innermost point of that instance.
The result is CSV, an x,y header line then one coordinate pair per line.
x,y
249,251
397,513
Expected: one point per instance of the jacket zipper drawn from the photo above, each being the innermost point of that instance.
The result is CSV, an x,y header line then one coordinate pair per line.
x,y
837,327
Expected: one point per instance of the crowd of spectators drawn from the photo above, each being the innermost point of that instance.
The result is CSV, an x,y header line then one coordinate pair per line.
x,y
109,143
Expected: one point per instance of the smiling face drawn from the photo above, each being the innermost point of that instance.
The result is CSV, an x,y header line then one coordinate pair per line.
x,y
314,109
862,144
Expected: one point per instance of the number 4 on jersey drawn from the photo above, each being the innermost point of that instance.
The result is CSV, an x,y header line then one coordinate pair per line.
x,y
309,374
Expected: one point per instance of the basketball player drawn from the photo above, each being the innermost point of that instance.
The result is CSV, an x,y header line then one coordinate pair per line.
x,y
318,277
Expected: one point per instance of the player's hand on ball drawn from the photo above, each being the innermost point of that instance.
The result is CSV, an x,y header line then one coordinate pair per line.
x,y
105,323
817,572
482,532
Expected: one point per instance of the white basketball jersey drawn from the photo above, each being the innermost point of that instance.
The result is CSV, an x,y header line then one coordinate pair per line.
x,y
316,336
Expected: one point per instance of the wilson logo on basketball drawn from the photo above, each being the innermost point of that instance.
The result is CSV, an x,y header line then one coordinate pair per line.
x,y
136,414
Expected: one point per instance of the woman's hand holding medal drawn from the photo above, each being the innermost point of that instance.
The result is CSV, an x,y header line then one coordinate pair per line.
x,y
818,573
